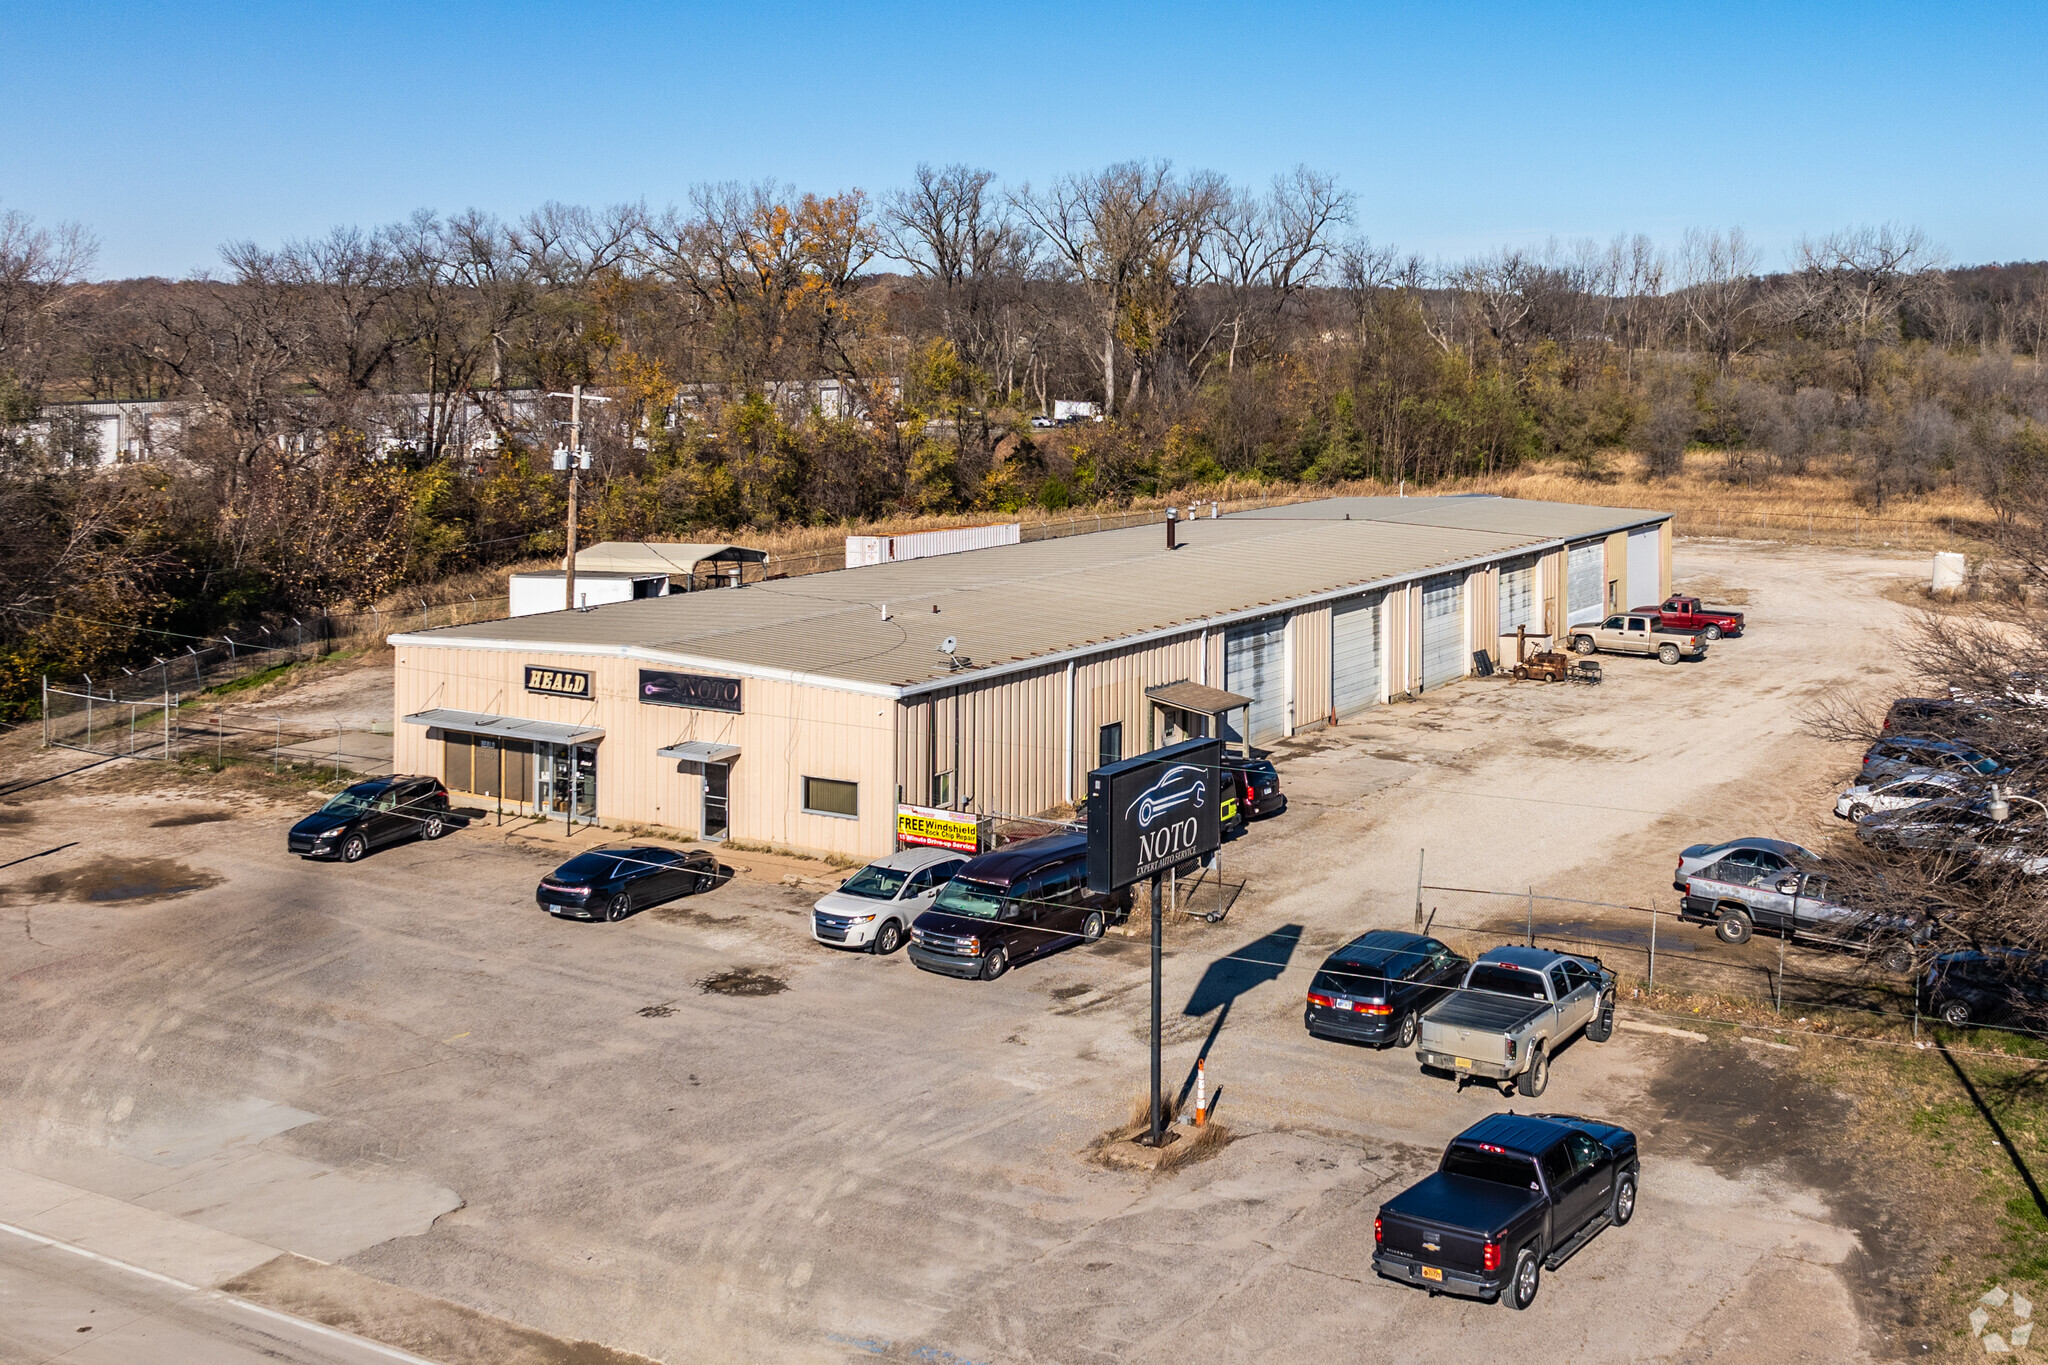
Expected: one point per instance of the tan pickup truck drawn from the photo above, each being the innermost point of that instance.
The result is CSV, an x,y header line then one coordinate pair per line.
x,y
1636,633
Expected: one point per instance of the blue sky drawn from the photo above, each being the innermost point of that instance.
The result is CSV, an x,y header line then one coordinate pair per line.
x,y
169,129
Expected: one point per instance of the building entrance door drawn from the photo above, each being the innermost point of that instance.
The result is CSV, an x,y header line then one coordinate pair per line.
x,y
565,780
716,777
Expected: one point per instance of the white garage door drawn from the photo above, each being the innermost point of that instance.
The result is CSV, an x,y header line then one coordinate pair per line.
x,y
1355,654
1644,562
1443,630
1584,567
1518,597
1254,665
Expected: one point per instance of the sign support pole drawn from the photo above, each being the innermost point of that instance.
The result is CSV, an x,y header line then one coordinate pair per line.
x,y
1158,922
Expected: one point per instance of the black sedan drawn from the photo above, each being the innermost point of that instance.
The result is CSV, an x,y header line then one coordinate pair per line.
x,y
1993,986
611,883
371,814
1375,988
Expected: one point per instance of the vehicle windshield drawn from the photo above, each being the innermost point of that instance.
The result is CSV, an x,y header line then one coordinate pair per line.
x,y
350,802
1502,980
978,899
1338,977
1985,766
588,867
1495,1167
876,882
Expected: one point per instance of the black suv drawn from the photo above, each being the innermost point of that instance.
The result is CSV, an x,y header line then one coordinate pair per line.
x,y
371,814
1017,903
1258,785
1375,988
1993,986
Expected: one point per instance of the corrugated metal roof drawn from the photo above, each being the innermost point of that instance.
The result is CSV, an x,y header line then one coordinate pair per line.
x,y
1048,598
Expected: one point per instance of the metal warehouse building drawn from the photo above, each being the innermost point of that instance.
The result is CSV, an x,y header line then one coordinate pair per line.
x,y
803,711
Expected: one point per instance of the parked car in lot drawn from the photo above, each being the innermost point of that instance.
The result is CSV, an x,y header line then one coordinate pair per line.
x,y
1899,790
1987,986
873,908
1515,1007
1765,856
1375,988
1896,754
1964,826
1011,905
611,883
383,810
1736,899
1515,1195
1258,785
1678,612
1636,635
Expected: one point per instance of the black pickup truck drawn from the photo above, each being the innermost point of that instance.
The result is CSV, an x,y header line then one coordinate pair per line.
x,y
1515,1195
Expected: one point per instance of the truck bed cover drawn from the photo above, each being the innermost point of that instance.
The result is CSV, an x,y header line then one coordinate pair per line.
x,y
1485,1011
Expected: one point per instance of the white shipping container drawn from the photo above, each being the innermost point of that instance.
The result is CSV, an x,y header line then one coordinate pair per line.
x,y
533,593
1068,410
862,550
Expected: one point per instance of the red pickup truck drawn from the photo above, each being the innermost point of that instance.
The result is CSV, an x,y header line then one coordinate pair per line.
x,y
1686,613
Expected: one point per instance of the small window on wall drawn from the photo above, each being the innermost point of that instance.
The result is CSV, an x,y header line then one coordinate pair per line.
x,y
823,796
942,789
1109,744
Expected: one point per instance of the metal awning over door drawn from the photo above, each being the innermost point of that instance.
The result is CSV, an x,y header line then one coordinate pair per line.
x,y
1584,582
1443,630
506,727
1355,654
1645,565
1255,665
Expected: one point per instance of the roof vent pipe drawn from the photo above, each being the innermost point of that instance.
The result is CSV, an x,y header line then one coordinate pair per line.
x,y
1172,521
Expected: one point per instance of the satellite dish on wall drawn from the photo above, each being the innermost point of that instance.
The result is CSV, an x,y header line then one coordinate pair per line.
x,y
948,645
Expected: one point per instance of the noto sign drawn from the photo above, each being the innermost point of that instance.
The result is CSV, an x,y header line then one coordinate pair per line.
x,y
700,691
1153,812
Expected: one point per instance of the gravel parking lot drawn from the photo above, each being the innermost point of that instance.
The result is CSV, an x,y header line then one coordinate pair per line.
x,y
700,1136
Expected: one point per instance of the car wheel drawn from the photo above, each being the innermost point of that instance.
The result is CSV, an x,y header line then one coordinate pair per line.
x,y
1601,1028
621,906
1732,927
1091,928
433,827
1667,653
1532,1081
1897,959
888,938
1624,1207
1858,811
353,848
1410,1026
1712,632
1955,1014
704,882
1528,1279
1582,644
995,964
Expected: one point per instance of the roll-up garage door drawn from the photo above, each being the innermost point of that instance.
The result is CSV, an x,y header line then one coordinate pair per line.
x,y
1443,630
1584,566
1644,561
1518,597
1355,654
1254,665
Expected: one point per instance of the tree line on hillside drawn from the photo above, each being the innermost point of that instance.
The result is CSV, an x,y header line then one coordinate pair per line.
x,y
777,357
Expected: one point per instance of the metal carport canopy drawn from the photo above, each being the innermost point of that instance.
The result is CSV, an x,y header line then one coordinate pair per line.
x,y
506,727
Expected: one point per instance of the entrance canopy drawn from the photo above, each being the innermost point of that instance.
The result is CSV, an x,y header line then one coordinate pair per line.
x,y
506,727
1200,699
700,751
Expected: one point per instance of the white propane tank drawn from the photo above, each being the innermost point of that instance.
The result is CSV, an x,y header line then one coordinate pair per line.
x,y
1948,572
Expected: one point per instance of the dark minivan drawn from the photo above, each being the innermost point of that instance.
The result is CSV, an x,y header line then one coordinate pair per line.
x,y
371,814
1014,904
1375,988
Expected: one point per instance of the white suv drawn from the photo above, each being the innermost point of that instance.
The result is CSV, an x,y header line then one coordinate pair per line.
x,y
873,908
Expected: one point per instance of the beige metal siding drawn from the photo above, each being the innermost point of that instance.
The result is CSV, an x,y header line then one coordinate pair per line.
x,y
1311,627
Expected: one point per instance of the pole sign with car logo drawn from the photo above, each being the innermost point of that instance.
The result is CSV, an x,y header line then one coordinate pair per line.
x,y
558,682
1153,812
701,691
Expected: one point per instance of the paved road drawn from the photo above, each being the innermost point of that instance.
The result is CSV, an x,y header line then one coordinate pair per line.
x,y
59,1305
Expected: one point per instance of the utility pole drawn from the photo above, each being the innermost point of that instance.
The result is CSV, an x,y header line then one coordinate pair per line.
x,y
574,458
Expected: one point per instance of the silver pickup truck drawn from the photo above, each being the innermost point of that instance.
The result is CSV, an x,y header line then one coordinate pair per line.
x,y
1516,1007
1637,634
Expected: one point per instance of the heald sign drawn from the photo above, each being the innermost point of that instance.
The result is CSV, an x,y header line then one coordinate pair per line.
x,y
558,682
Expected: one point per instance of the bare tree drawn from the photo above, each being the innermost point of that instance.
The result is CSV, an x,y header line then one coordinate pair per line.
x,y
1851,286
1718,287
38,266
